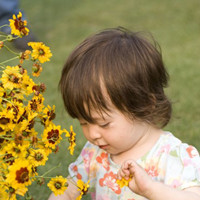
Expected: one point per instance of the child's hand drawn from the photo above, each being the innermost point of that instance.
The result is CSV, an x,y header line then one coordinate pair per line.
x,y
140,182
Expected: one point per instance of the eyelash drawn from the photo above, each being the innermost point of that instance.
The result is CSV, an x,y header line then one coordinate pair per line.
x,y
83,124
104,125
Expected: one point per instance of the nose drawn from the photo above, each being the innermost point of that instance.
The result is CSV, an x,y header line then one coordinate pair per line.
x,y
93,132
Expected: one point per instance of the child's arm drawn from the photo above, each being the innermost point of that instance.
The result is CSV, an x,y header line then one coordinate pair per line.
x,y
71,193
143,185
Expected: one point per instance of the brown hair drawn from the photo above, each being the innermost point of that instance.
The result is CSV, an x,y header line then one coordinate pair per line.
x,y
131,70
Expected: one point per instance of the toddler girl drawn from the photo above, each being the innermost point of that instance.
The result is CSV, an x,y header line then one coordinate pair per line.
x,y
113,83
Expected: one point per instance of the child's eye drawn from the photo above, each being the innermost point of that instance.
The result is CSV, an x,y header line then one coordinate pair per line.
x,y
83,123
104,125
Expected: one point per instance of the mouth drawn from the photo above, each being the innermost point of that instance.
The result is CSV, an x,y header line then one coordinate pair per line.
x,y
103,146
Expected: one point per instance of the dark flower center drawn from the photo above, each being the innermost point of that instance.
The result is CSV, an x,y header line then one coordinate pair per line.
x,y
22,175
13,78
38,156
19,25
53,136
58,185
41,52
33,105
51,115
8,158
4,120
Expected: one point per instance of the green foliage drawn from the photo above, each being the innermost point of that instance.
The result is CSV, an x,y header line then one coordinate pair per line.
x,y
62,24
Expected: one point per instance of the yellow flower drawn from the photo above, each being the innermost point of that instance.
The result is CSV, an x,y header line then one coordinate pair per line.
x,y
27,84
24,123
51,136
1,96
11,77
18,26
24,56
58,185
19,174
11,193
36,69
40,51
6,119
38,157
17,109
38,89
18,151
72,140
48,115
1,91
3,193
82,187
36,103
123,182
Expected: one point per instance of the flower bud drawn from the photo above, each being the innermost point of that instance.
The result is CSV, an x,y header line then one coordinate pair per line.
x,y
9,38
1,44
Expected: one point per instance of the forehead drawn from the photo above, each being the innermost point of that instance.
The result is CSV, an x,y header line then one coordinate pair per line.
x,y
98,116
96,110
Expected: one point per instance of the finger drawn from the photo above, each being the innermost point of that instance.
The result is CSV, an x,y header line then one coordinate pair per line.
x,y
126,164
126,172
123,173
135,167
130,166
137,170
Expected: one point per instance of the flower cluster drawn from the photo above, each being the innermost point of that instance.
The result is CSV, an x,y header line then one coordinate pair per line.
x,y
22,147
123,182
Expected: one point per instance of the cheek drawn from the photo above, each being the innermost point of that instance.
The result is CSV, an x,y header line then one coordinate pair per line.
x,y
122,136
85,133
114,136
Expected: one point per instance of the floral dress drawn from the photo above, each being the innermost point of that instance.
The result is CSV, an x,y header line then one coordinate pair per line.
x,y
169,161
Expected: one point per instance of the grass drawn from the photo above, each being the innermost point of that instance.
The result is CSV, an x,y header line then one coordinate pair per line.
x,y
62,24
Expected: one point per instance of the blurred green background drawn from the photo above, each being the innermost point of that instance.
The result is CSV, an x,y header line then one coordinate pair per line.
x,y
62,24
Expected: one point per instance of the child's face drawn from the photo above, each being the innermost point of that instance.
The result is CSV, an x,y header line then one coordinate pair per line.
x,y
114,133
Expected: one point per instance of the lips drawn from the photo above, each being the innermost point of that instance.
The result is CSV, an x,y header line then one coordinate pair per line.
x,y
103,146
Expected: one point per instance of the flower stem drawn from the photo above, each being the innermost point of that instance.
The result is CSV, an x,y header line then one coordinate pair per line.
x,y
43,177
51,170
6,138
9,60
11,50
4,25
3,36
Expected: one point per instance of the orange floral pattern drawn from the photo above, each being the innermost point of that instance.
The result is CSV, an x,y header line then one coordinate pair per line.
x,y
103,159
110,180
152,170
76,173
192,151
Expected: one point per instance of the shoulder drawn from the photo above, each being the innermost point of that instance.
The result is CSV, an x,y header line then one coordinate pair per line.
x,y
179,149
173,149
182,164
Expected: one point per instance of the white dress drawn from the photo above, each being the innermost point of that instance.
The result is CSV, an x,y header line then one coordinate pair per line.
x,y
169,161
